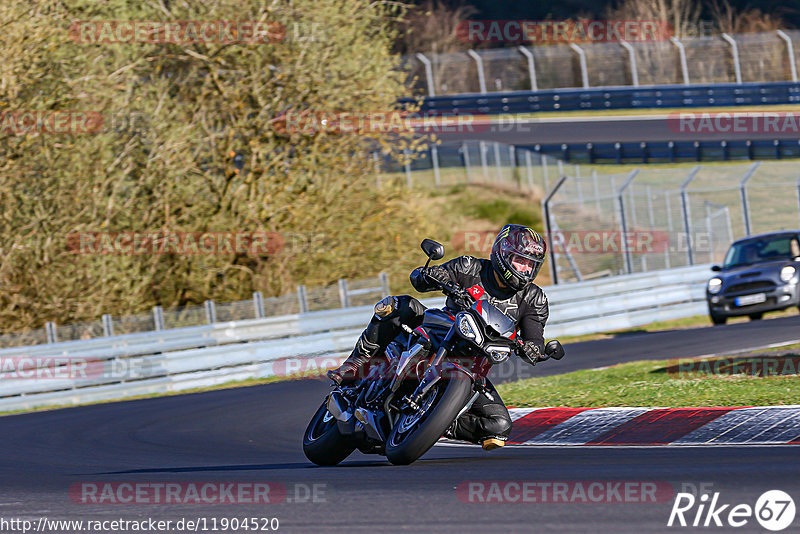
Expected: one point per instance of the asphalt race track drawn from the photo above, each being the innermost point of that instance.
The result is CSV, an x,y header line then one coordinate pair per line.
x,y
254,434
599,129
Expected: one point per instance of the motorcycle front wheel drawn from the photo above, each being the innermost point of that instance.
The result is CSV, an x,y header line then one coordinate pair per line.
x,y
417,432
322,442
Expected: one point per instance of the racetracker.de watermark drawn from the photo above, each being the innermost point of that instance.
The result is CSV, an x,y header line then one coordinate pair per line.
x,y
760,366
310,122
179,243
137,492
176,32
72,368
562,31
745,122
563,492
594,242
22,122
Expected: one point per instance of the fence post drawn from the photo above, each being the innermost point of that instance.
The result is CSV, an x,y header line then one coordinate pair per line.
x,y
465,154
798,196
344,298
632,54
737,68
211,311
545,173
258,305
108,325
531,67
481,77
623,225
685,208
684,63
547,223
529,168
484,163
435,160
50,330
428,73
158,317
384,284
512,156
497,162
582,61
709,230
743,192
790,51
302,299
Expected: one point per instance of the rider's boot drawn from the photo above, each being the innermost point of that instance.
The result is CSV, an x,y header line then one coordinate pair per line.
x,y
493,442
353,367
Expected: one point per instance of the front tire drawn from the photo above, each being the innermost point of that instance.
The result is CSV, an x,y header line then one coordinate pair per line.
x,y
756,316
717,319
322,442
407,442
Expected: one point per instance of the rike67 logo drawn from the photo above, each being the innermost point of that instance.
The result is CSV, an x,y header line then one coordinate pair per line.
x,y
774,510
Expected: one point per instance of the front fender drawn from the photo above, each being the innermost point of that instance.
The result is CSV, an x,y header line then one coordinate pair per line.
x,y
435,373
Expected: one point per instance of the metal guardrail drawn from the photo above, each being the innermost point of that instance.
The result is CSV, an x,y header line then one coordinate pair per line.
x,y
657,96
175,360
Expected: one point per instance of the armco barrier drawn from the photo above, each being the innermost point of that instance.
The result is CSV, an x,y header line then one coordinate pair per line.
x,y
657,96
175,360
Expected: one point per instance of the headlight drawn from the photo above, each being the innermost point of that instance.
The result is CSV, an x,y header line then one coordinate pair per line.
x,y
788,272
497,353
714,285
468,328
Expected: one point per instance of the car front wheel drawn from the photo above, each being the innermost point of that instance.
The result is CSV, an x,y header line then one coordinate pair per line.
x,y
717,319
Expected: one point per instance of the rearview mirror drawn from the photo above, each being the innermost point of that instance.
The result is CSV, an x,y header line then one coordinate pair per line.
x,y
716,268
554,350
432,249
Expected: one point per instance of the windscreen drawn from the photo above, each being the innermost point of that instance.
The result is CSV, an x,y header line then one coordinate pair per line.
x,y
762,249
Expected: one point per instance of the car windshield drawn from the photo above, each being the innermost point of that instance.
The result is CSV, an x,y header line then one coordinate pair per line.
x,y
762,249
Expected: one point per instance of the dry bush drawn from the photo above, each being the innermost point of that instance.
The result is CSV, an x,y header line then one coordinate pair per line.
x,y
202,102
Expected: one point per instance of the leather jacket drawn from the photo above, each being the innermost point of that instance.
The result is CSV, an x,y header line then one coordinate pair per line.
x,y
528,308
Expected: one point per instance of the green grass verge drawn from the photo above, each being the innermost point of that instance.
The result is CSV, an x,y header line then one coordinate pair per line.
x,y
695,321
649,383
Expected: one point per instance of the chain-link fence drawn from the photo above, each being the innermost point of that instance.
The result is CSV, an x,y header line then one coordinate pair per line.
x,y
344,294
652,219
750,57
609,224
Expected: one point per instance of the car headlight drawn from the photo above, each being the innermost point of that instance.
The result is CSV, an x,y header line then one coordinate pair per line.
x,y
468,328
788,272
714,285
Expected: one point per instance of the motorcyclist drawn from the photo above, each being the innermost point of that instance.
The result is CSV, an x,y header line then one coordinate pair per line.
x,y
506,281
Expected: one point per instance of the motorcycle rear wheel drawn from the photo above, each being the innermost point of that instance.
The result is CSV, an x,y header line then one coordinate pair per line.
x,y
322,442
407,442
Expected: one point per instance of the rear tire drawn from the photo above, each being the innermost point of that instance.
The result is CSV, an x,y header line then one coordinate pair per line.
x,y
451,395
322,442
756,316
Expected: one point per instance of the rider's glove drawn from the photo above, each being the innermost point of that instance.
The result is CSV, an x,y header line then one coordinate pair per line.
x,y
530,352
436,274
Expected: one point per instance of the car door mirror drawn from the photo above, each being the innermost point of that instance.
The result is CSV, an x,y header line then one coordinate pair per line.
x,y
716,268
432,249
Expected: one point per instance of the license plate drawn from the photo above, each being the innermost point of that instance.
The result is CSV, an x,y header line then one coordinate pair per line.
x,y
747,300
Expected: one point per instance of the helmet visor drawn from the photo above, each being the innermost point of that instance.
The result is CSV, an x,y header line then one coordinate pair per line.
x,y
524,265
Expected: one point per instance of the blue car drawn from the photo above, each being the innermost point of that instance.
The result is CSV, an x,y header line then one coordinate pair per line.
x,y
760,274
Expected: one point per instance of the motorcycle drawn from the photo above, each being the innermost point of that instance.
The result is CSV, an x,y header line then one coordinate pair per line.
x,y
428,377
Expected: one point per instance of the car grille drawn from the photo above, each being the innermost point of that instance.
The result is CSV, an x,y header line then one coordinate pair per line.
x,y
749,286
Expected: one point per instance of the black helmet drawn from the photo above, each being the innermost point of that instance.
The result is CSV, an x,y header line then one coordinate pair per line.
x,y
517,256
